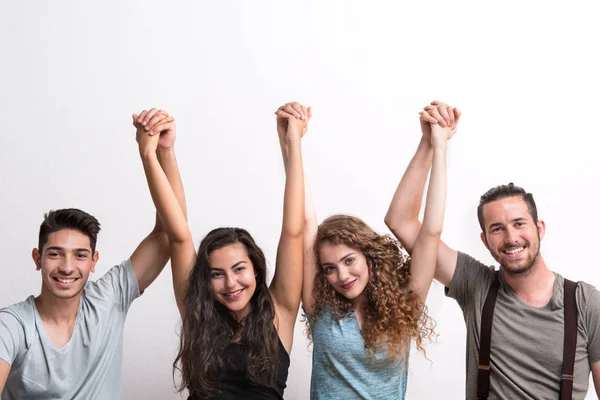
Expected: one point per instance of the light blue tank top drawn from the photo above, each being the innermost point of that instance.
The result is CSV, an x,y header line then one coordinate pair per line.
x,y
342,368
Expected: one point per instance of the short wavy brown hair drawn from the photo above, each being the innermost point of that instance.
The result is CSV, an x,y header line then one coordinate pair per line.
x,y
394,314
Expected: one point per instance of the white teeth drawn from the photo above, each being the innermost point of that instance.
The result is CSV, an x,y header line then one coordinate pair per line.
x,y
514,251
234,293
65,280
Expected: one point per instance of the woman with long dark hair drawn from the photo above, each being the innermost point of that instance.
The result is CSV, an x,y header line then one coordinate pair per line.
x,y
364,297
236,331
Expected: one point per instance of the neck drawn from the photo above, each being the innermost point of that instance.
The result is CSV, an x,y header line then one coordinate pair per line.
x,y
358,302
534,287
57,310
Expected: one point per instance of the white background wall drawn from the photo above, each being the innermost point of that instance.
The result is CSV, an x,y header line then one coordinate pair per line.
x,y
525,75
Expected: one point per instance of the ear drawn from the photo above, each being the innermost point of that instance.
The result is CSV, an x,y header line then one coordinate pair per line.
x,y
95,259
484,240
37,258
541,228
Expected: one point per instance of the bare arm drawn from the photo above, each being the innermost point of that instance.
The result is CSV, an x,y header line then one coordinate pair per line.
x,y
424,252
310,267
152,254
169,200
310,221
596,376
286,285
4,370
403,215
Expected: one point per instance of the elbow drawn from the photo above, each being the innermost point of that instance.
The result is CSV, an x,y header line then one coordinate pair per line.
x,y
389,221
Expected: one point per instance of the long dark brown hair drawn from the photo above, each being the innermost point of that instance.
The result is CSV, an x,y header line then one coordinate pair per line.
x,y
393,313
208,327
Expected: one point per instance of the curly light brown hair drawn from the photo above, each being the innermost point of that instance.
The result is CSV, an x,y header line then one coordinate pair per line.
x,y
394,314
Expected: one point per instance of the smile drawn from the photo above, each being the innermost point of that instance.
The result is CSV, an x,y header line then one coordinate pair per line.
x,y
514,251
65,281
349,284
233,295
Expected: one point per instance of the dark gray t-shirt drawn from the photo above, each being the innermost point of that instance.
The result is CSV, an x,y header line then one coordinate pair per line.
x,y
87,367
527,342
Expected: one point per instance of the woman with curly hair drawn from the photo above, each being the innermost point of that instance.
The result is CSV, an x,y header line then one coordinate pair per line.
x,y
237,331
364,298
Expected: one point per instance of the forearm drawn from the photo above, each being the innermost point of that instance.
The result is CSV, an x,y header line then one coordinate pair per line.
x,y
403,214
424,254
165,200
168,162
293,201
310,235
433,218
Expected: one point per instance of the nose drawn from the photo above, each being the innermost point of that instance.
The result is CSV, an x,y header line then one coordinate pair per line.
x,y
511,236
229,281
67,267
342,274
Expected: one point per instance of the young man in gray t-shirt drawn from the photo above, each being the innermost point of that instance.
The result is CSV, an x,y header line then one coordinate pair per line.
x,y
527,330
67,342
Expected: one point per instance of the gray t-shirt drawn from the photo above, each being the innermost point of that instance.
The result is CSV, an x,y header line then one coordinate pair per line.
x,y
527,342
87,367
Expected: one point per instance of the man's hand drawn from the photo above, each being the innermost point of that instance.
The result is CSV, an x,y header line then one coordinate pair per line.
x,y
438,113
156,122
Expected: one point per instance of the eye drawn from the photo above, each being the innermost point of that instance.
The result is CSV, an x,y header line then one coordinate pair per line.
x,y
81,255
53,254
349,261
239,269
496,229
329,269
519,224
215,275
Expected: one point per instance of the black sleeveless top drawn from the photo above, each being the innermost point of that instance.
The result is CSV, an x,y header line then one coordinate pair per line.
x,y
236,385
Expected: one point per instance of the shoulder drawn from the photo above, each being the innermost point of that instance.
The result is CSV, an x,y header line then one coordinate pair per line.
x,y
22,312
471,269
587,297
111,280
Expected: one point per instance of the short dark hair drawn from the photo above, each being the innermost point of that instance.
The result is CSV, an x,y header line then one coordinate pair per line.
x,y
502,192
69,218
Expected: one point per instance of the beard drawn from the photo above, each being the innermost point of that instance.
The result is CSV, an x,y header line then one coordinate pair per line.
x,y
521,267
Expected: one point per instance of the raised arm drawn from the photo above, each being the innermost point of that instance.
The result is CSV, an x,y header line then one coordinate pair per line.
x,y
424,252
310,214
156,139
403,214
286,285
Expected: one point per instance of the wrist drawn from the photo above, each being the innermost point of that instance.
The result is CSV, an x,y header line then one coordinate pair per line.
x,y
163,151
147,155
440,145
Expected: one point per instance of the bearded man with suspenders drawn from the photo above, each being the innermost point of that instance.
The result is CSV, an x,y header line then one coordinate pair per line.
x,y
531,334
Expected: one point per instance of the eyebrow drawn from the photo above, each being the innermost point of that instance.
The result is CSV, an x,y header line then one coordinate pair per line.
x,y
58,248
341,259
232,267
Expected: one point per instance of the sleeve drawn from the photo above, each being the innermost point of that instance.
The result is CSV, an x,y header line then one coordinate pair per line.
x,y
470,277
119,284
12,338
592,323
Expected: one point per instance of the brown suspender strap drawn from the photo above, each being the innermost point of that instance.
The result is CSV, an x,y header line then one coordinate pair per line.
x,y
485,341
570,343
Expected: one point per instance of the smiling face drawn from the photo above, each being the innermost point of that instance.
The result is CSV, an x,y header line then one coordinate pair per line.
x,y
233,281
345,269
66,261
511,235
